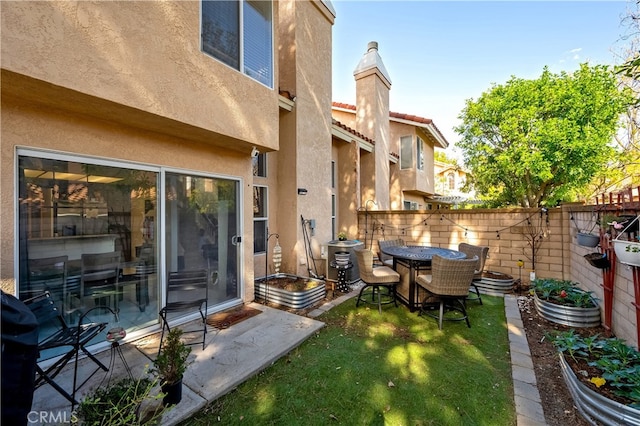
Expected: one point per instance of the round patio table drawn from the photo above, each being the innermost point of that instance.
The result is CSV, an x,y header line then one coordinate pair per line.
x,y
417,258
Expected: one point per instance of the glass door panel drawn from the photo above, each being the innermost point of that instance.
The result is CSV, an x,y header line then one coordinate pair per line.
x,y
201,227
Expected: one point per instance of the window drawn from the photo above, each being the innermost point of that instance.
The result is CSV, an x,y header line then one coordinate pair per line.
x,y
333,174
420,151
69,206
260,165
240,34
260,219
410,205
451,181
406,152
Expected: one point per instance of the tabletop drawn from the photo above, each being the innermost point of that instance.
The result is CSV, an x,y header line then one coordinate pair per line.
x,y
421,253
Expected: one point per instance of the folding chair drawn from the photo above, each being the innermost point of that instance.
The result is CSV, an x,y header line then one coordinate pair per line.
x,y
73,338
187,291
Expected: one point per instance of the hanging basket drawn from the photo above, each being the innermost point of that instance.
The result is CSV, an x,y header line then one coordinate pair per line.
x,y
628,252
588,240
599,260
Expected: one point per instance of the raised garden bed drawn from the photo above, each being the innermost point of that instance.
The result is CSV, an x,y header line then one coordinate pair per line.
x,y
289,290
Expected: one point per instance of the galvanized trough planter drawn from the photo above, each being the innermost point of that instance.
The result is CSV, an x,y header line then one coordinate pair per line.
x,y
570,316
495,283
594,407
289,298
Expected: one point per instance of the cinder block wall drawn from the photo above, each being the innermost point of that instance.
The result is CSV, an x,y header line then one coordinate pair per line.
x,y
509,234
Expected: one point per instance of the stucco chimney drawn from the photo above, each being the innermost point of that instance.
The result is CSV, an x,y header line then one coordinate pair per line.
x,y
372,119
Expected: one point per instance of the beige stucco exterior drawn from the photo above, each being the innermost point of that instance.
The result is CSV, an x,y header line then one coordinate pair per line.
x,y
127,81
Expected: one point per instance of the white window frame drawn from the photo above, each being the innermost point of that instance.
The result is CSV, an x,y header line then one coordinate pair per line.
x,y
419,153
264,218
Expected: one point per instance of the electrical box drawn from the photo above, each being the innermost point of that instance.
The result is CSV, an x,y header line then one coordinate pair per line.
x,y
334,246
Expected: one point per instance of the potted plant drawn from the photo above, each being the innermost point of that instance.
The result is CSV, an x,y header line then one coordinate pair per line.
x,y
170,366
126,402
342,236
627,252
602,375
562,302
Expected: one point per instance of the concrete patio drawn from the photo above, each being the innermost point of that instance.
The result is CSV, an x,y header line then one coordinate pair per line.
x,y
231,356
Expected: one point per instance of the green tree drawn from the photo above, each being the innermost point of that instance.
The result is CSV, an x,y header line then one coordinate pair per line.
x,y
533,143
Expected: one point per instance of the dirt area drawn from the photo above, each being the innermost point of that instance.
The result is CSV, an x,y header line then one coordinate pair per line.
x,y
557,402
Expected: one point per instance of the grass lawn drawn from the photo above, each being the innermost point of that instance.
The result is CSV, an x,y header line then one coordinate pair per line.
x,y
397,368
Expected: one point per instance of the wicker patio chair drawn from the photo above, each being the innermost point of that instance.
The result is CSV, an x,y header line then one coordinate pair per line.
x,y
385,259
448,284
374,278
481,253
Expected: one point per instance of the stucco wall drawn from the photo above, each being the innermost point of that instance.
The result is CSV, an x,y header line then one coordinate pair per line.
x,y
504,232
144,55
304,159
29,126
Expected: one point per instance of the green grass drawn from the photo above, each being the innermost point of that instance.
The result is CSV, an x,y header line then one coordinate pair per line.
x,y
397,368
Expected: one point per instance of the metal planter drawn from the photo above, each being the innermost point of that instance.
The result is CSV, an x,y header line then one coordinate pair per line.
x,y
288,298
570,316
595,408
495,283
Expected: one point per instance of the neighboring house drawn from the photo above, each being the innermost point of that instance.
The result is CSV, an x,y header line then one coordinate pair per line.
x,y
397,173
450,180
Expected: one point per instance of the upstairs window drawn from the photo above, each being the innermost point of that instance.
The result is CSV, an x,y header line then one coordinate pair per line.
x,y
259,165
420,151
240,34
406,152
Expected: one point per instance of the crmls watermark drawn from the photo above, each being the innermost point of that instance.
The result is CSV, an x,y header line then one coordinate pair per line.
x,y
52,417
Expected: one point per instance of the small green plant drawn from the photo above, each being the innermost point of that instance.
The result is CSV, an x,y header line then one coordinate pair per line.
x,y
562,292
618,363
632,248
125,402
342,236
172,360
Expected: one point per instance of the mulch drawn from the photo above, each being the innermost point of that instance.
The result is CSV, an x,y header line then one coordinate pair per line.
x,y
222,320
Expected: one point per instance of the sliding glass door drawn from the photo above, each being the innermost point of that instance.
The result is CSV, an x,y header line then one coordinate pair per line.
x,y
77,217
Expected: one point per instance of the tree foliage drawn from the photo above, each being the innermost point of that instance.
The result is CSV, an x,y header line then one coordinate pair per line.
x,y
534,143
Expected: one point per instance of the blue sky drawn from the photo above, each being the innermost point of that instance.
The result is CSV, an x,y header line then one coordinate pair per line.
x,y
440,53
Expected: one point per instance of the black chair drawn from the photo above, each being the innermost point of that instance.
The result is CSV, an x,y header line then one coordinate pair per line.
x,y
99,277
187,292
71,339
47,274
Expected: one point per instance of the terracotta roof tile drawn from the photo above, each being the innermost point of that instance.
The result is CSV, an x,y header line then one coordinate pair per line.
x,y
352,131
398,115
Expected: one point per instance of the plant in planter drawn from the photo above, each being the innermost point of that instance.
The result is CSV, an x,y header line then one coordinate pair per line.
x,y
170,366
603,376
125,402
342,236
562,302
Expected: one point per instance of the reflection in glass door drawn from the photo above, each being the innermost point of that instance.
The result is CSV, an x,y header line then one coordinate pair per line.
x,y
87,235
201,225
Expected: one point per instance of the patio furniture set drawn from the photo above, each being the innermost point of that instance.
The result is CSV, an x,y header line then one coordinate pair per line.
x,y
438,278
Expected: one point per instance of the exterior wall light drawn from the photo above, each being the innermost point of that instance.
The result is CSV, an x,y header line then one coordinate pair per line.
x,y
302,191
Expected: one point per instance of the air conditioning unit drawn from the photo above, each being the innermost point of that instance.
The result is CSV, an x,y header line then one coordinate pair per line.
x,y
353,274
